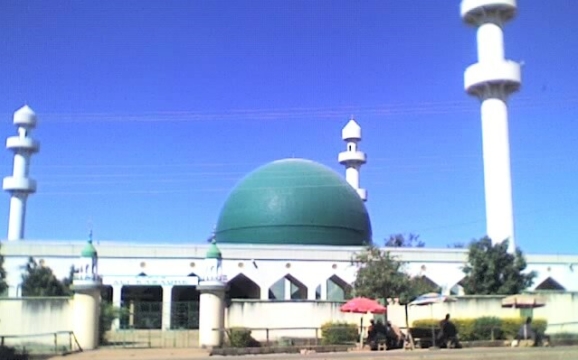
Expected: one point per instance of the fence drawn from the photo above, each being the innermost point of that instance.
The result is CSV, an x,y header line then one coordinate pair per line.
x,y
147,315
61,342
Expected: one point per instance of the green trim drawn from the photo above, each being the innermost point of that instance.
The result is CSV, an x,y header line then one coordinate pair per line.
x,y
213,252
89,251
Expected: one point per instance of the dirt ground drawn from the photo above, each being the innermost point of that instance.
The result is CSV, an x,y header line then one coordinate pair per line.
x,y
555,353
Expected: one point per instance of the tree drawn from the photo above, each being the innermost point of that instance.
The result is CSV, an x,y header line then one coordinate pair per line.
x,y
3,283
399,240
380,275
39,280
491,270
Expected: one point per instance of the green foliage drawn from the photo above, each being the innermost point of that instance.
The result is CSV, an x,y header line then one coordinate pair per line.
x,y
381,276
9,353
339,333
108,313
483,328
241,338
3,283
38,280
487,327
399,240
491,270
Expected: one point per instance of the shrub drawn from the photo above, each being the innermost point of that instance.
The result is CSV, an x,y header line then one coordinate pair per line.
x,y
510,326
108,313
487,328
482,328
9,353
336,333
241,338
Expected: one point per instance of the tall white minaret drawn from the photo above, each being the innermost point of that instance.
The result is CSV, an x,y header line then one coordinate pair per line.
x,y
352,158
492,80
19,185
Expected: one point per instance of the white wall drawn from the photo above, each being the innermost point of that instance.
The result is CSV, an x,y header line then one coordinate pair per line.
x,y
30,316
561,312
286,314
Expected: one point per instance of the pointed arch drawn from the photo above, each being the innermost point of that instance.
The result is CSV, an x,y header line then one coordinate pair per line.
x,y
333,289
242,287
288,288
550,284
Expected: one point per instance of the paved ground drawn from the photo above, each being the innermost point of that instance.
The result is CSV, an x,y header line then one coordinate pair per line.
x,y
555,353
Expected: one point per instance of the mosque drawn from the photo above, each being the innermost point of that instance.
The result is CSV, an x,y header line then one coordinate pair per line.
x,y
287,232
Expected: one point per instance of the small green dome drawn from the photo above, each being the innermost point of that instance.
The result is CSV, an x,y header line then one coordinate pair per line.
x,y
294,201
88,250
213,252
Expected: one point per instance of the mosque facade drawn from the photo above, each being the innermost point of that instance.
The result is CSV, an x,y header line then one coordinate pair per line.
x,y
287,232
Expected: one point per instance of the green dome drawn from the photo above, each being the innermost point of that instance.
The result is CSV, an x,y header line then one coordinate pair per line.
x,y
294,201
213,252
88,250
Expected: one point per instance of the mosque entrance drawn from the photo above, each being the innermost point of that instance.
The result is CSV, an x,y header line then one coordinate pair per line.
x,y
185,307
142,307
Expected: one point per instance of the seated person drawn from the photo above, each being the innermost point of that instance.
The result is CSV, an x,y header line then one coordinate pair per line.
x,y
448,335
371,331
526,332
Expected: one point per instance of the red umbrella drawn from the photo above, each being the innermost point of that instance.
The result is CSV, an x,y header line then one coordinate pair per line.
x,y
362,305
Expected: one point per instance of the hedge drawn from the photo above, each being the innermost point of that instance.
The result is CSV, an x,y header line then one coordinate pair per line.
x,y
241,338
338,333
485,328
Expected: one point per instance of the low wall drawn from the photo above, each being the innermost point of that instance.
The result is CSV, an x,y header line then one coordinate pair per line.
x,y
280,315
43,315
561,312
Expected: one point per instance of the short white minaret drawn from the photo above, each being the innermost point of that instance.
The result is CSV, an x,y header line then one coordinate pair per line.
x,y
492,80
212,287
19,185
86,285
352,158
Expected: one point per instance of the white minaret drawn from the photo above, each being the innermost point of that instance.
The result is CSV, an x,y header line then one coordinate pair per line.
x,y
492,80
352,158
19,185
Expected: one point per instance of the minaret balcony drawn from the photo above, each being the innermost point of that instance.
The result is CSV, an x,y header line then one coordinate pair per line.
x,y
479,77
22,143
352,156
25,185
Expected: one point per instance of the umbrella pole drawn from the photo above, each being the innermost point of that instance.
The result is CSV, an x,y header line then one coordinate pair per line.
x,y
433,331
361,334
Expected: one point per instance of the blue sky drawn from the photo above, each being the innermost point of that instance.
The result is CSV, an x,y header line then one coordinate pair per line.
x,y
150,112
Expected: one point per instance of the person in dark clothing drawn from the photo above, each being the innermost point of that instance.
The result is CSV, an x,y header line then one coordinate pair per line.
x,y
526,332
448,336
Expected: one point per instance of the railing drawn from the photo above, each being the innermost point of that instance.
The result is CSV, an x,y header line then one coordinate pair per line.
x,y
59,342
282,336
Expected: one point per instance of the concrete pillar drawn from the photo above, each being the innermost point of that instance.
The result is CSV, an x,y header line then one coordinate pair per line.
x,y
116,302
167,306
85,317
211,313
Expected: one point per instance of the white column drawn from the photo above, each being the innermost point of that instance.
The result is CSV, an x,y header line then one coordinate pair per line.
x,y
211,314
116,302
490,43
264,292
498,187
167,305
85,317
287,289
16,216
